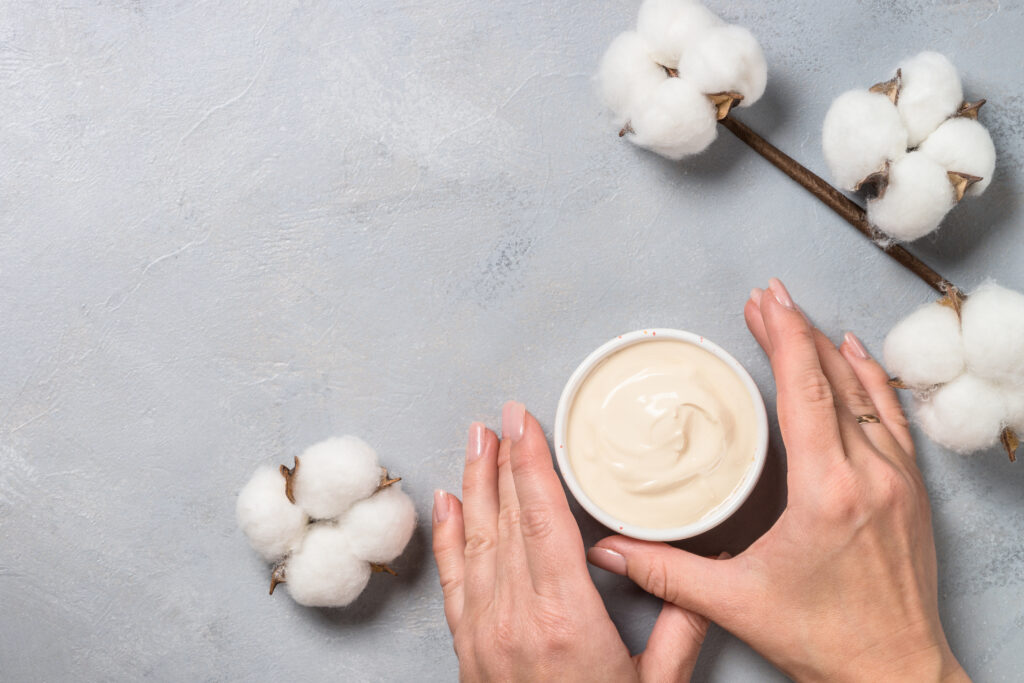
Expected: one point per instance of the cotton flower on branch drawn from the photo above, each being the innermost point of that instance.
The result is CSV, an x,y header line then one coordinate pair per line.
x,y
914,142
328,522
964,361
681,71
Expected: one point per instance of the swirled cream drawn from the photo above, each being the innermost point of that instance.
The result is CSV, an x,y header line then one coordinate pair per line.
x,y
660,433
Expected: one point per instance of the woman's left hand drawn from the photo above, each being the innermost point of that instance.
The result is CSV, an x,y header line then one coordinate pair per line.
x,y
517,593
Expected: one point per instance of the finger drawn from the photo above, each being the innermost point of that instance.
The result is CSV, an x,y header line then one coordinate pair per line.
x,y
852,399
876,382
512,570
673,646
480,512
710,587
551,539
449,553
755,322
805,403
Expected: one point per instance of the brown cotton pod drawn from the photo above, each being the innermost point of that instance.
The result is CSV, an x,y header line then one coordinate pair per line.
x,y
724,102
961,182
386,480
276,576
1011,442
289,478
897,383
379,568
875,183
954,299
890,88
969,110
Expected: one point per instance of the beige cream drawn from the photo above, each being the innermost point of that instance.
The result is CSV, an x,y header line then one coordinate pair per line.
x,y
660,433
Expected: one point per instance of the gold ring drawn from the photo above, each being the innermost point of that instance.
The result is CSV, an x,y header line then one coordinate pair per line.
x,y
867,419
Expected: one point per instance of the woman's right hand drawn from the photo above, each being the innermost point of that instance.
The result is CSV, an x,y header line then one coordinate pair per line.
x,y
843,586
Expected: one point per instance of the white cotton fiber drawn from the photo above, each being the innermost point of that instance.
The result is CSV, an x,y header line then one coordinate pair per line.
x,y
380,527
669,27
726,59
965,415
324,572
925,348
862,131
676,121
1013,401
273,525
992,320
333,474
918,196
963,145
930,92
628,75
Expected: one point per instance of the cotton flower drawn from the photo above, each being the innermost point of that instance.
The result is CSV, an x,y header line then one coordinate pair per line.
x,y
926,348
916,199
930,92
964,359
363,519
681,71
905,139
271,522
862,134
333,474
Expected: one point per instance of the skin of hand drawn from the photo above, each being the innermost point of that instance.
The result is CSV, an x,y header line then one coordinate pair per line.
x,y
844,585
518,595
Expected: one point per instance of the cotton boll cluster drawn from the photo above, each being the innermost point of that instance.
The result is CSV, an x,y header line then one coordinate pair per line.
x,y
914,141
671,80
964,360
328,522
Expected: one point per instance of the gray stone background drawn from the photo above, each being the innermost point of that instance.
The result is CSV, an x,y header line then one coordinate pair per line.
x,y
230,229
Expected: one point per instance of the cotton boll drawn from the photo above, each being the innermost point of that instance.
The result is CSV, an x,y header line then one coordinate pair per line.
x,y
676,121
380,527
272,523
726,59
1013,401
324,572
333,474
992,320
925,348
918,196
930,92
965,415
862,131
670,26
628,75
963,145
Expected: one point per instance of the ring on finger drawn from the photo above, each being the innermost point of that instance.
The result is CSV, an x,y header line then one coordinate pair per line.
x,y
867,418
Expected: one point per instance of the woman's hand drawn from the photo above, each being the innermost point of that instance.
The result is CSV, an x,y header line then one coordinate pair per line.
x,y
844,585
517,594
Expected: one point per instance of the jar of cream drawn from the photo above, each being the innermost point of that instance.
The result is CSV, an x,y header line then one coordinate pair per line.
x,y
660,434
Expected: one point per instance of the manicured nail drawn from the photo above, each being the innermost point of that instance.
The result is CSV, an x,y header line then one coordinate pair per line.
x,y
724,555
608,560
513,419
442,506
781,293
855,346
475,443
755,295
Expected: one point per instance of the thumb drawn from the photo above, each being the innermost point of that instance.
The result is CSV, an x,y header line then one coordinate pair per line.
x,y
708,587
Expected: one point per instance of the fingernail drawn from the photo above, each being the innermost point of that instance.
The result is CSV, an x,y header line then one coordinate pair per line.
x,y
475,443
724,555
755,295
442,506
856,347
513,418
781,293
608,560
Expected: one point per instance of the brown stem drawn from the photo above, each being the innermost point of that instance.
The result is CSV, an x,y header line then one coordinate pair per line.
x,y
847,209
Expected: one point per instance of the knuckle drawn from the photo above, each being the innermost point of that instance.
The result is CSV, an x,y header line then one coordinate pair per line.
x,y
814,388
844,497
450,585
555,628
656,581
509,516
479,543
855,396
536,523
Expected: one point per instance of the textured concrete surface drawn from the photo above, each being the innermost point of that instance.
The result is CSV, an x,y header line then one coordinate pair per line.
x,y
228,230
